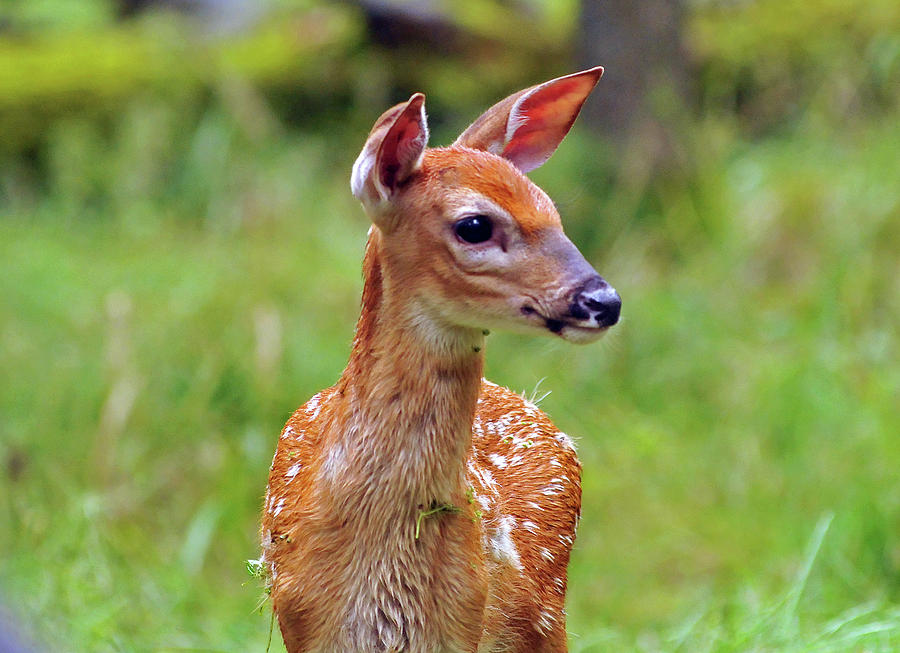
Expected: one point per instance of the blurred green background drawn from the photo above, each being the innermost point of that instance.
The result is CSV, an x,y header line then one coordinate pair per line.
x,y
179,269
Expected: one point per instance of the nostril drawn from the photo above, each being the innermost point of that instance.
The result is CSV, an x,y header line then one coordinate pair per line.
x,y
609,312
579,312
604,304
593,304
611,308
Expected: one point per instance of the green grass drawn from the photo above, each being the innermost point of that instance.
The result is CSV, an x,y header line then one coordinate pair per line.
x,y
739,428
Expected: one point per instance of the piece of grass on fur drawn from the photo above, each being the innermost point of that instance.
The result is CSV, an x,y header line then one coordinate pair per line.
x,y
433,510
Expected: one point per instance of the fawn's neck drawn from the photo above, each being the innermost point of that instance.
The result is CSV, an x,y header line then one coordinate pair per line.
x,y
410,391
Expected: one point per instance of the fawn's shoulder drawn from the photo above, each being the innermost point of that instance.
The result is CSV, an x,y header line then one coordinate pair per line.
x,y
509,429
526,479
515,445
293,465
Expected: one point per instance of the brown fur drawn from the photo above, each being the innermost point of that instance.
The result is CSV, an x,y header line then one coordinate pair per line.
x,y
415,507
310,537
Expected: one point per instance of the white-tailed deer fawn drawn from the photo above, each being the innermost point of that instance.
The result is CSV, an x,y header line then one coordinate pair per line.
x,y
414,506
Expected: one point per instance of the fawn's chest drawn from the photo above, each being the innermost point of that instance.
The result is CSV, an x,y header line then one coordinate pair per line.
x,y
354,592
360,560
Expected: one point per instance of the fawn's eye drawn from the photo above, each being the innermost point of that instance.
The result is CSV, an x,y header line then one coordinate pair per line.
x,y
474,229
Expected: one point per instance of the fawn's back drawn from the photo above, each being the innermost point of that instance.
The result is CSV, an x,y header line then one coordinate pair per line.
x,y
414,506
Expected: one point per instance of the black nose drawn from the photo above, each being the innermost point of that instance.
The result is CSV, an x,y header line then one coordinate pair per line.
x,y
597,301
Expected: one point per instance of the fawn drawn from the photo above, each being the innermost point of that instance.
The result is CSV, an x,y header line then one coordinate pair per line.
x,y
414,506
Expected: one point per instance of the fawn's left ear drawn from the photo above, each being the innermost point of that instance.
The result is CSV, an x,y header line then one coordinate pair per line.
x,y
528,126
392,153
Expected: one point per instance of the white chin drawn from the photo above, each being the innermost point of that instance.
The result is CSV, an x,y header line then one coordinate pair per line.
x,y
582,335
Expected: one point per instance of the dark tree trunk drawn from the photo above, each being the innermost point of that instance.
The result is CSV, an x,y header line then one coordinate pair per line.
x,y
638,42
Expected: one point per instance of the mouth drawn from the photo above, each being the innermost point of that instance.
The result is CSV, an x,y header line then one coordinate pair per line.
x,y
566,329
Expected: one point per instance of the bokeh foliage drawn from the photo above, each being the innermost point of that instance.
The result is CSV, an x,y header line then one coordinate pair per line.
x,y
180,262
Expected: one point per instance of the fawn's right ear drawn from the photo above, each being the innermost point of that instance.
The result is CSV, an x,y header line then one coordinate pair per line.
x,y
527,127
392,153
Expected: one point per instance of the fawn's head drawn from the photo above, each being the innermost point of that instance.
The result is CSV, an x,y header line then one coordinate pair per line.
x,y
465,234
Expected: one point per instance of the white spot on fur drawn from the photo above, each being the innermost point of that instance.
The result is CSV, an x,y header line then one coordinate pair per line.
x,y
485,503
313,406
546,555
278,508
565,441
502,545
292,472
545,622
553,489
501,426
335,464
498,460
484,476
286,433
530,526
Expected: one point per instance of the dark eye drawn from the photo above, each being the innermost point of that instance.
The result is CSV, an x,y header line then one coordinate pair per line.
x,y
474,229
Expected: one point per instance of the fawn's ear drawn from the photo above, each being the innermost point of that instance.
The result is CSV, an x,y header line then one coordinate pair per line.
x,y
392,153
528,126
